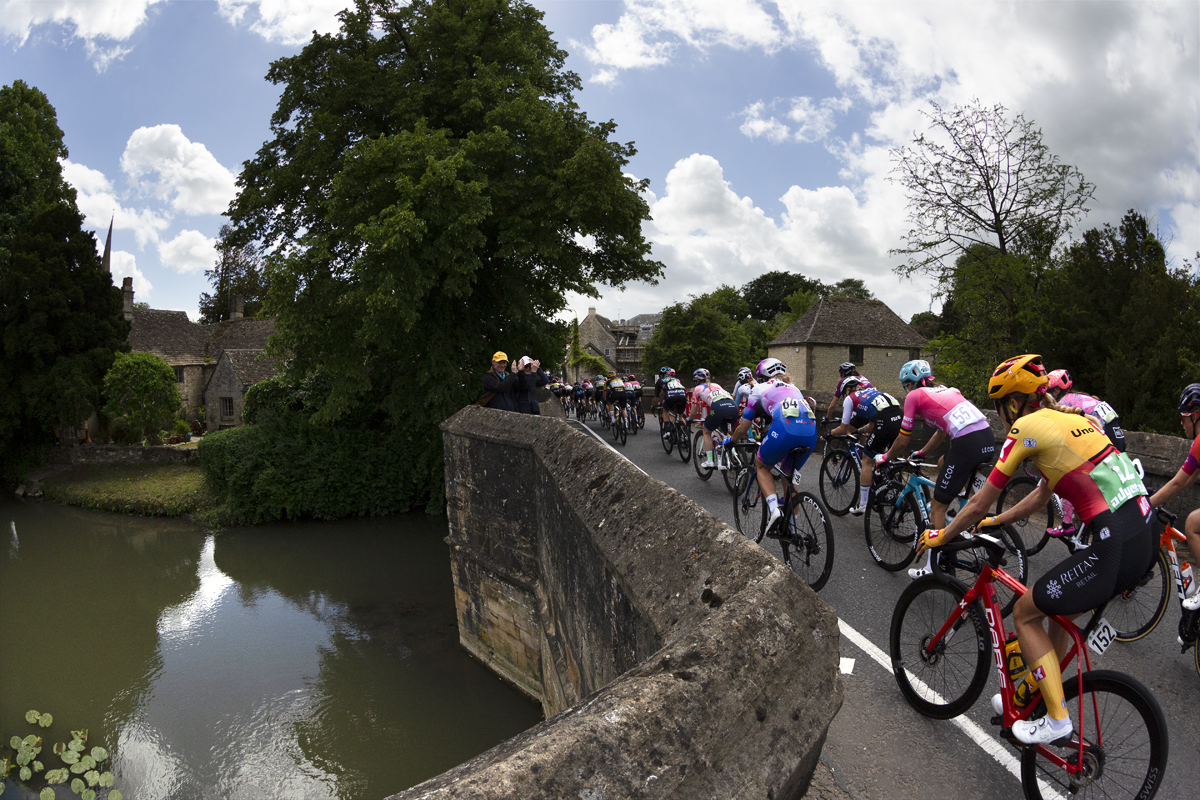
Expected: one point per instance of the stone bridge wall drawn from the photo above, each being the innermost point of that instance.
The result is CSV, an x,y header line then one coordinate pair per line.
x,y
673,657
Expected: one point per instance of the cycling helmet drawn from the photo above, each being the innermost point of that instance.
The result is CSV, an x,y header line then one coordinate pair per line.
x,y
599,377
631,378
1060,379
850,384
664,370
670,372
1024,374
915,372
744,374
847,369
611,376
770,367
702,375
1189,401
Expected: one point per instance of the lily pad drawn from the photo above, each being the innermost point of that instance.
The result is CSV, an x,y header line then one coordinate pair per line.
x,y
46,720
81,735
115,795
88,794
76,745
14,742
59,748
99,754
88,762
77,785
57,775
106,780
46,794
26,773
38,766
70,757
79,768
32,717
92,777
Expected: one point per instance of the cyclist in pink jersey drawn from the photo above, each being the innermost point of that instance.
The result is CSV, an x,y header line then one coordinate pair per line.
x,y
1189,410
1100,411
953,417
718,408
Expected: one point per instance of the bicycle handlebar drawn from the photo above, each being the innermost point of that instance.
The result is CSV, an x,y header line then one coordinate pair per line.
x,y
1166,517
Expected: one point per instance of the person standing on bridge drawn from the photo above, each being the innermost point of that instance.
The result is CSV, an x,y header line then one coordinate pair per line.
x,y
499,385
530,377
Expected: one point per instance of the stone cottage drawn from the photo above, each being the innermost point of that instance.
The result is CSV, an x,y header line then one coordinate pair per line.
x,y
236,371
619,344
835,330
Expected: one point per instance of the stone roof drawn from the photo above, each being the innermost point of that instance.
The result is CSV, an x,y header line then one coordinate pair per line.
x,y
251,366
644,319
169,334
867,323
180,341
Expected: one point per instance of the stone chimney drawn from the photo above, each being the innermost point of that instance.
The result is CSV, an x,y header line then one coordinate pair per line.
x,y
127,294
591,311
237,306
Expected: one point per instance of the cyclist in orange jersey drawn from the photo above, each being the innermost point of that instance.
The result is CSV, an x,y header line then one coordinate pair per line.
x,y
1079,462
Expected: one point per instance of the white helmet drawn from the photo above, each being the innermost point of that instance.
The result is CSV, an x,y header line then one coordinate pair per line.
x,y
770,367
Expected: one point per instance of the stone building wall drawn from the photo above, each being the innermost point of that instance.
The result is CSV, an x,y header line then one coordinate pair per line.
x,y
680,659
223,383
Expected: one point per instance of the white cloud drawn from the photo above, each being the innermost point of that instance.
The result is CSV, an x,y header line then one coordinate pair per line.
x,y
99,204
814,121
115,20
189,175
190,251
125,265
286,21
754,125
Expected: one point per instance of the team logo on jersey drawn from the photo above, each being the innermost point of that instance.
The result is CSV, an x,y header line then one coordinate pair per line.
x,y
1030,442
1039,674
1105,533
1053,589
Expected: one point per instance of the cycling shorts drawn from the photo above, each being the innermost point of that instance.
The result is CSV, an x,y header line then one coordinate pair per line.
x,y
1123,549
886,429
785,434
675,404
616,397
723,414
967,452
1115,433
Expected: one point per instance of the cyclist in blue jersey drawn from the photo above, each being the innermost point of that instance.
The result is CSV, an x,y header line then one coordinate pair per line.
x,y
864,406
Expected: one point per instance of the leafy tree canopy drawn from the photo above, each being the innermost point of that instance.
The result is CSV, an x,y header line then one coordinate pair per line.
x,y
430,193
697,335
979,178
767,294
60,315
238,271
142,392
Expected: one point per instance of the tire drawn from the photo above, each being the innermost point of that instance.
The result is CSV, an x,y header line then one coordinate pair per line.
x,y
734,467
1133,758
641,416
703,471
809,550
1032,530
891,530
947,682
967,564
749,512
1136,612
839,482
621,431
668,441
685,444
631,425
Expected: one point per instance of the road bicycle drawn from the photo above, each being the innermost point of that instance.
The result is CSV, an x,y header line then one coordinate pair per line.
x,y
677,433
727,460
943,636
898,509
840,473
620,426
1044,524
805,532
639,414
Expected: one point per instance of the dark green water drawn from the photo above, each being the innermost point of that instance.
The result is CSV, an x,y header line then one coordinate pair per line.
x,y
305,660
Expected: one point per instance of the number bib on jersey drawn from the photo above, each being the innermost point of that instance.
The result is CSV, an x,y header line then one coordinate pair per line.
x,y
1118,480
1105,412
963,415
721,395
881,402
789,408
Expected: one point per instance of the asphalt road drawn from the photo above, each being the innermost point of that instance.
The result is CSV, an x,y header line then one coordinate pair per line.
x,y
878,746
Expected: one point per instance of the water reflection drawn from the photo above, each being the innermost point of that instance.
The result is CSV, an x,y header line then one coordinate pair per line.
x,y
300,660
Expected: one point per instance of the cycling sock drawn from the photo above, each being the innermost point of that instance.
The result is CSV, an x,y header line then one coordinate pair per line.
x,y
772,503
1049,679
863,491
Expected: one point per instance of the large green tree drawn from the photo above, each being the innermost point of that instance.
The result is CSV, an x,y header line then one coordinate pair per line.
x,y
697,335
767,295
238,271
142,394
60,315
430,193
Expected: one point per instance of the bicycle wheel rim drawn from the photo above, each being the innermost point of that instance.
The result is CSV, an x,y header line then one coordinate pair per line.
x,y
838,482
811,555
703,471
890,528
748,516
948,682
1133,757
1136,612
685,446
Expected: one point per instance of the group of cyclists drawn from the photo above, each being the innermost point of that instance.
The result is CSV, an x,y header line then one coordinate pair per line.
x,y
1074,440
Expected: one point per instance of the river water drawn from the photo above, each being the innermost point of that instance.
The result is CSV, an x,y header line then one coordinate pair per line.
x,y
299,660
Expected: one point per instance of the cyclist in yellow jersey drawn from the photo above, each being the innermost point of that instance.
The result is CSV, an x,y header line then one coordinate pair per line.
x,y
1077,460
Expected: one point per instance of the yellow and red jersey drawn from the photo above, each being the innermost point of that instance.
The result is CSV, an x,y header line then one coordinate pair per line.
x,y
1075,457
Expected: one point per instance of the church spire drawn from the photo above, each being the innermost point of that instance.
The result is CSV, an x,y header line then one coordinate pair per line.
x,y
106,259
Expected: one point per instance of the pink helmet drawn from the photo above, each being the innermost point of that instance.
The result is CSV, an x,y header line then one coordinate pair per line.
x,y
1060,379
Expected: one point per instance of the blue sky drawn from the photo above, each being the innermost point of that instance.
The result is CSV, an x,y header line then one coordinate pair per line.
x,y
763,127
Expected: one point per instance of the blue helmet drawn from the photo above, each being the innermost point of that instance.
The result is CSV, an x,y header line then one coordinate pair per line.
x,y
915,372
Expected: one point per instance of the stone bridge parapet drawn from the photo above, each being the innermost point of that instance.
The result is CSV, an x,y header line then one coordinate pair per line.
x,y
673,657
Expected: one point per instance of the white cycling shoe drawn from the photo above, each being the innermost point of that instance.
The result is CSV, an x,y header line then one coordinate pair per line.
x,y
1042,731
1192,603
920,572
774,517
858,511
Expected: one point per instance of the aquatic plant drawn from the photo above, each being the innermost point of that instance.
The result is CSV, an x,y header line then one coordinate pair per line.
x,y
77,760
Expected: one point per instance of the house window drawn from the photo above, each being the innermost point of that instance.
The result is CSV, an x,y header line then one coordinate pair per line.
x,y
856,354
179,374
227,408
914,353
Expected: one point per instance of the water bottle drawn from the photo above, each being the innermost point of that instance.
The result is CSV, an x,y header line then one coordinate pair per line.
x,y
796,478
1189,580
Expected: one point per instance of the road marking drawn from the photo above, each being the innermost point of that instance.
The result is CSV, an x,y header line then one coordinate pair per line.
x,y
988,743
577,424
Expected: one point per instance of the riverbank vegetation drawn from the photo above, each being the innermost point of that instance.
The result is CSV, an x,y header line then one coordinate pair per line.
x,y
156,490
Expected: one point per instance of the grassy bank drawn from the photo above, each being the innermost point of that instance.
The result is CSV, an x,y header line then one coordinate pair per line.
x,y
150,490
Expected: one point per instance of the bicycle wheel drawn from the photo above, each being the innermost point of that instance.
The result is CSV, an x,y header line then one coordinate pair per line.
x,y
668,436
943,682
631,425
622,430
1136,612
1032,529
641,416
809,549
892,524
839,482
701,461
1124,736
734,466
685,444
749,506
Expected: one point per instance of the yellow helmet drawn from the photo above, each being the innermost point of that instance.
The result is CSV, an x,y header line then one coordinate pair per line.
x,y
611,375
1025,374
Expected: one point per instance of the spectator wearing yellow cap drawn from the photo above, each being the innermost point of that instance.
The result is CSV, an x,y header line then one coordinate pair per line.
x,y
500,385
